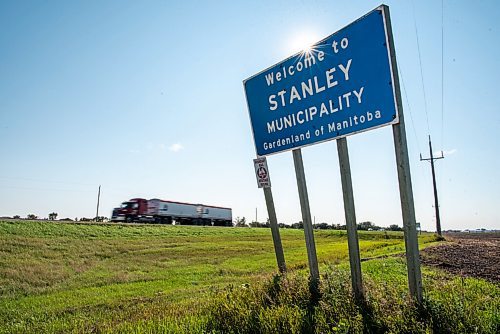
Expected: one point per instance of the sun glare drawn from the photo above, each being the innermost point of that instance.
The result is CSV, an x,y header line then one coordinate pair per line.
x,y
302,41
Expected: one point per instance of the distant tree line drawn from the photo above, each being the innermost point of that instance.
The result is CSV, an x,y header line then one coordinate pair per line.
x,y
363,226
53,216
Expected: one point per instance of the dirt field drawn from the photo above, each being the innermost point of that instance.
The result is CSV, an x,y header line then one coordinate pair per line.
x,y
467,254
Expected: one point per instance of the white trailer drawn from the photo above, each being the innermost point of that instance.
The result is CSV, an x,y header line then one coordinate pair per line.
x,y
217,213
186,213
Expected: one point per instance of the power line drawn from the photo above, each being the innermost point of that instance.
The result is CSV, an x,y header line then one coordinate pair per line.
x,y
44,181
409,109
431,156
421,68
45,189
442,73
442,91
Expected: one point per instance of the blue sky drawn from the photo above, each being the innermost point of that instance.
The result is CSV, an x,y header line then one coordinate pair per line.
x,y
146,99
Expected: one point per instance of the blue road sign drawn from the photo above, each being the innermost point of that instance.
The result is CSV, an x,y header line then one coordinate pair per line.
x,y
343,85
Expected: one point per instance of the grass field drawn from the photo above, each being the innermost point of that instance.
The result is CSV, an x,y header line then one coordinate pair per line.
x,y
58,277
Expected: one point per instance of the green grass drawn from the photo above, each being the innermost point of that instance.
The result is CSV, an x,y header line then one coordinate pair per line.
x,y
284,304
57,277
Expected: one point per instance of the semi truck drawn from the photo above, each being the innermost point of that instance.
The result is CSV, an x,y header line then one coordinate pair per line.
x,y
167,212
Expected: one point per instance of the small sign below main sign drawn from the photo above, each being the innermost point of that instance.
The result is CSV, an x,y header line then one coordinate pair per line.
x,y
262,173
342,85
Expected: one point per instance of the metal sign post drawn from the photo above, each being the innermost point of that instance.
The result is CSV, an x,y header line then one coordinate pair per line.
x,y
350,218
264,181
278,248
306,215
408,211
404,177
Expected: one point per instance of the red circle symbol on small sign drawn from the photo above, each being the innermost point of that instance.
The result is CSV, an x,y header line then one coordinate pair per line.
x,y
262,173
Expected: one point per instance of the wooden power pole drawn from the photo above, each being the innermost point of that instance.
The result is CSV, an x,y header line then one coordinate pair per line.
x,y
98,198
436,202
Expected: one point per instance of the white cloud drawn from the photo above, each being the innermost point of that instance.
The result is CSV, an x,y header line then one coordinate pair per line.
x,y
450,152
176,147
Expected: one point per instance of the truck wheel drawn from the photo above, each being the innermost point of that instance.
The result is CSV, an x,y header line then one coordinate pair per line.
x,y
129,219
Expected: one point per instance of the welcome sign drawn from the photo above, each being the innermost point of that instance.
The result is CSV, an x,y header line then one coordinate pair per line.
x,y
342,85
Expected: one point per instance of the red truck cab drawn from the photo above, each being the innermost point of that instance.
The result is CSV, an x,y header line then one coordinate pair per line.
x,y
131,211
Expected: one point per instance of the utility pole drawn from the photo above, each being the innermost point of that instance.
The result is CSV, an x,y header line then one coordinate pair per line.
x,y
436,203
98,197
